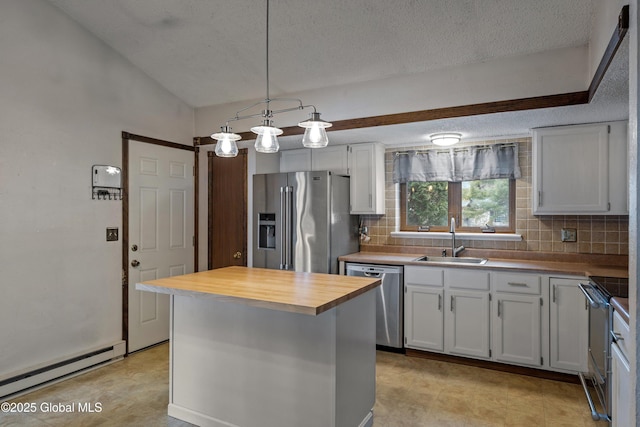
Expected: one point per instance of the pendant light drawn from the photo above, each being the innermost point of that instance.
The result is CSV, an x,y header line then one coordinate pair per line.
x,y
226,145
267,141
315,135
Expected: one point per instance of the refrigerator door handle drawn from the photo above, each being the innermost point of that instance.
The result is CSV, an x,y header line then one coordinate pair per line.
x,y
283,226
289,228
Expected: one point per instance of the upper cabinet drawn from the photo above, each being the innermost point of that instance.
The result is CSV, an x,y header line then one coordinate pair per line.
x,y
580,169
364,163
334,159
367,178
295,160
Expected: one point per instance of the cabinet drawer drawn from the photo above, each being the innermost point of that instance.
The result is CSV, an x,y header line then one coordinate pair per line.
x,y
462,278
517,283
621,329
424,276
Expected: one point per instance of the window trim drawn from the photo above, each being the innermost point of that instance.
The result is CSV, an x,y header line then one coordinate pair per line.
x,y
455,210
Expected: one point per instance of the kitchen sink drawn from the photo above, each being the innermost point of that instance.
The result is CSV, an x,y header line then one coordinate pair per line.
x,y
452,260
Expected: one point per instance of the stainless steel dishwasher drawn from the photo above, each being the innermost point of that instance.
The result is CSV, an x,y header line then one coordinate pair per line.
x,y
389,306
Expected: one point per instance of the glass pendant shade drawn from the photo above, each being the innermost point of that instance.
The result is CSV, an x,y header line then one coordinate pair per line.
x,y
267,141
445,139
226,145
315,135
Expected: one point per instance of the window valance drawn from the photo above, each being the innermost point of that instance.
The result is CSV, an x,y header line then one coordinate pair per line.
x,y
457,164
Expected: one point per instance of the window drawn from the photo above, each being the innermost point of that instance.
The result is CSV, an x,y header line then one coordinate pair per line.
x,y
472,203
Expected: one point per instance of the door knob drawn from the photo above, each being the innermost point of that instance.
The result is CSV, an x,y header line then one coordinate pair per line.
x,y
237,255
135,263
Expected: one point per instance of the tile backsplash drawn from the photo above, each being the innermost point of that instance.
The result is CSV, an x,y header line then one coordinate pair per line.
x,y
596,234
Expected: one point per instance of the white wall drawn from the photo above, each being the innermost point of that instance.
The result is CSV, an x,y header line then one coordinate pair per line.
x,y
65,97
604,21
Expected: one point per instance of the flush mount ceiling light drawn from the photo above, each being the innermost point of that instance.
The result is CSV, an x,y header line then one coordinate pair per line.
x,y
315,135
445,139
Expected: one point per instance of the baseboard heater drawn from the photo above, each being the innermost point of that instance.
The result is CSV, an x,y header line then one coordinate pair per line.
x,y
41,375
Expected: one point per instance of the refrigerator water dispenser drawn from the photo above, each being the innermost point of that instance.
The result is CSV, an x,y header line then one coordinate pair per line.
x,y
267,231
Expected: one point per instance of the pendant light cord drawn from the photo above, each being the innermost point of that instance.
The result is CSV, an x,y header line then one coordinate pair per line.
x,y
267,56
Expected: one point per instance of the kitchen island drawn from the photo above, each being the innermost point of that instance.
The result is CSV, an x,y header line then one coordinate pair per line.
x,y
259,347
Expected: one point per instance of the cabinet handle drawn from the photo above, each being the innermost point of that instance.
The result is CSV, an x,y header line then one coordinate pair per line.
x,y
516,284
452,302
616,336
553,294
539,198
499,304
370,200
439,302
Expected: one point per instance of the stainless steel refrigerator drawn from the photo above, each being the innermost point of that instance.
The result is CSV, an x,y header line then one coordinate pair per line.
x,y
302,221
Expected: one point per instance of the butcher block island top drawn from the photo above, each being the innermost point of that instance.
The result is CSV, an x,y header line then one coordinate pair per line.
x,y
305,293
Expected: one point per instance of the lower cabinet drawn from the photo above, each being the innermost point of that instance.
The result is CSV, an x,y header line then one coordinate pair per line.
x,y
517,318
467,323
423,326
568,325
525,319
621,389
447,310
517,332
621,386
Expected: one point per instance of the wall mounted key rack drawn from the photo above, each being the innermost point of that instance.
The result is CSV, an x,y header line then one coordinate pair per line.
x,y
106,182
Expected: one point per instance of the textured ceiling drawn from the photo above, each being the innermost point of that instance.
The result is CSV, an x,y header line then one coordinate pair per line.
x,y
210,52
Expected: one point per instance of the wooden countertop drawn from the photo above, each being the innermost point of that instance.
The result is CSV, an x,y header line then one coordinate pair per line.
x,y
306,293
534,266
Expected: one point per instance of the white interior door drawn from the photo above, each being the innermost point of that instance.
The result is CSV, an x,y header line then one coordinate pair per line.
x,y
161,230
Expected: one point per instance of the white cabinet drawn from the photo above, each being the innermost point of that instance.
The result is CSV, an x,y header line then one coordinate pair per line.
x,y
621,387
333,158
467,323
367,178
580,169
467,312
568,325
295,160
423,308
423,326
447,309
516,319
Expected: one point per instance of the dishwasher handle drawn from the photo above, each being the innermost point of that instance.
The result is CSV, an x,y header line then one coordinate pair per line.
x,y
374,275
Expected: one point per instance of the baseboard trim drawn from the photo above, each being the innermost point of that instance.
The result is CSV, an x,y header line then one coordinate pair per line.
x,y
38,376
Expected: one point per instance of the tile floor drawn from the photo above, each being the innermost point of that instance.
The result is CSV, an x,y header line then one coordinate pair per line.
x,y
410,392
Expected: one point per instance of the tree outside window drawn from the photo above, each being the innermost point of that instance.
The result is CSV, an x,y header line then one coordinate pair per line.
x,y
474,204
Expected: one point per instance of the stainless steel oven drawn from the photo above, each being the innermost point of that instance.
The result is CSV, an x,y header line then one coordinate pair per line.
x,y
598,292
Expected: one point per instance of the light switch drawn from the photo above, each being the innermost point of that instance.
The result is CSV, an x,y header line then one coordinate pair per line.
x,y
112,234
568,234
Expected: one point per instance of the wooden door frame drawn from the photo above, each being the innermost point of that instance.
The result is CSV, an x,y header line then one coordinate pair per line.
x,y
126,137
210,155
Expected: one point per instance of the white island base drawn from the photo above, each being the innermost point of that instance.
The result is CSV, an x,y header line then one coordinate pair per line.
x,y
238,365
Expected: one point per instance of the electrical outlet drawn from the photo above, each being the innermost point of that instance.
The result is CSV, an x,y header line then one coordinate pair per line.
x,y
568,234
112,234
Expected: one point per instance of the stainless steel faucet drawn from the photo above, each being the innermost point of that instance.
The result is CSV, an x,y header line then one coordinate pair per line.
x,y
454,251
